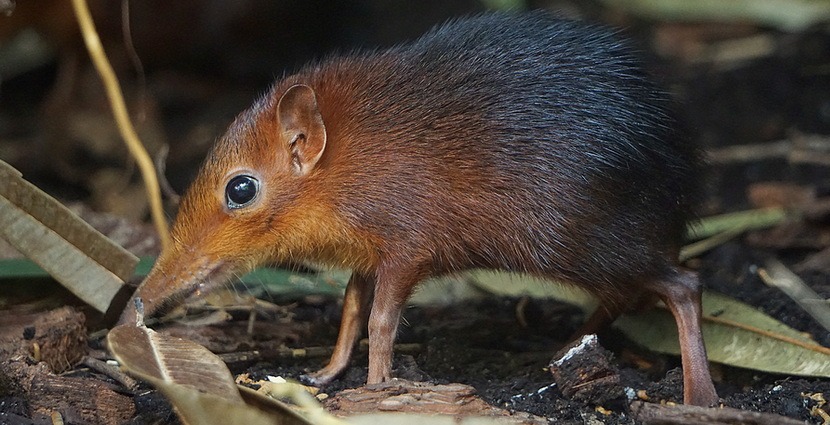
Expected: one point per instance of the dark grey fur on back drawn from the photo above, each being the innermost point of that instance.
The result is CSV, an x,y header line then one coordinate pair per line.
x,y
518,142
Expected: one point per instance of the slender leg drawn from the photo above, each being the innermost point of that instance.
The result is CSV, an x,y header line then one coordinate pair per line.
x,y
681,293
597,321
607,313
356,303
391,293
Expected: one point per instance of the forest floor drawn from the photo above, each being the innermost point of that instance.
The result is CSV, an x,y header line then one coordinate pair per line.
x,y
755,97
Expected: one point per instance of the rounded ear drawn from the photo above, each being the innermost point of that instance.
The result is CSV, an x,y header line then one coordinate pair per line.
x,y
302,127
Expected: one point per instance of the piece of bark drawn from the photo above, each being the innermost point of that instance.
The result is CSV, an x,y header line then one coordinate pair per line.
x,y
62,338
34,345
399,395
79,400
657,414
583,372
16,375
57,337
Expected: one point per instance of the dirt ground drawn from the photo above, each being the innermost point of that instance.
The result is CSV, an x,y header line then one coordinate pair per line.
x,y
744,91
483,344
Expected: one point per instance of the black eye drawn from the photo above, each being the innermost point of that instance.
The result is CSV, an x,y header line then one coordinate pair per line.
x,y
241,191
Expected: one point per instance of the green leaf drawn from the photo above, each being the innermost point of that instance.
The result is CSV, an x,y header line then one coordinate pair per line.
x,y
510,285
281,281
20,268
739,221
735,334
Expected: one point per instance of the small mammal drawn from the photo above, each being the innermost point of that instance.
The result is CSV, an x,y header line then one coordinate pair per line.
x,y
519,142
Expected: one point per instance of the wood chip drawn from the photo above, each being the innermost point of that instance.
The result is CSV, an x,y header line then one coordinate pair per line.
x,y
583,371
650,413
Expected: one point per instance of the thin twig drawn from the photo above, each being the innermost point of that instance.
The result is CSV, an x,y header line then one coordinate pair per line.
x,y
122,118
797,149
127,34
111,371
697,248
306,352
778,275
161,166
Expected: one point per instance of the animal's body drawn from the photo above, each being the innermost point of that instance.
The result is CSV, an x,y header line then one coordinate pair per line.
x,y
514,142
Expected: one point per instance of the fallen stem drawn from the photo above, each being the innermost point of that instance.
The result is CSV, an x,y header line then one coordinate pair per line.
x,y
306,352
778,275
737,221
111,371
122,118
697,248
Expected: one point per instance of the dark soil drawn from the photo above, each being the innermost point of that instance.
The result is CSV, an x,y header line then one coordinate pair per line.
x,y
483,345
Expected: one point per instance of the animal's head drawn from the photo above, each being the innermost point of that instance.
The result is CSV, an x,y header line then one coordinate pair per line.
x,y
250,202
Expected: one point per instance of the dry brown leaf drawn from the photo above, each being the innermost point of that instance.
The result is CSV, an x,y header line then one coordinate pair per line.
x,y
142,351
196,381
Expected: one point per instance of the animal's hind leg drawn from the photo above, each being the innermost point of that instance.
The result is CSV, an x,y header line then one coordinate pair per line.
x,y
597,321
607,312
356,307
681,293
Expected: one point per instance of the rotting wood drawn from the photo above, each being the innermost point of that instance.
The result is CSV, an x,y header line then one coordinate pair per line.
x,y
657,414
57,337
79,400
583,371
35,346
457,400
